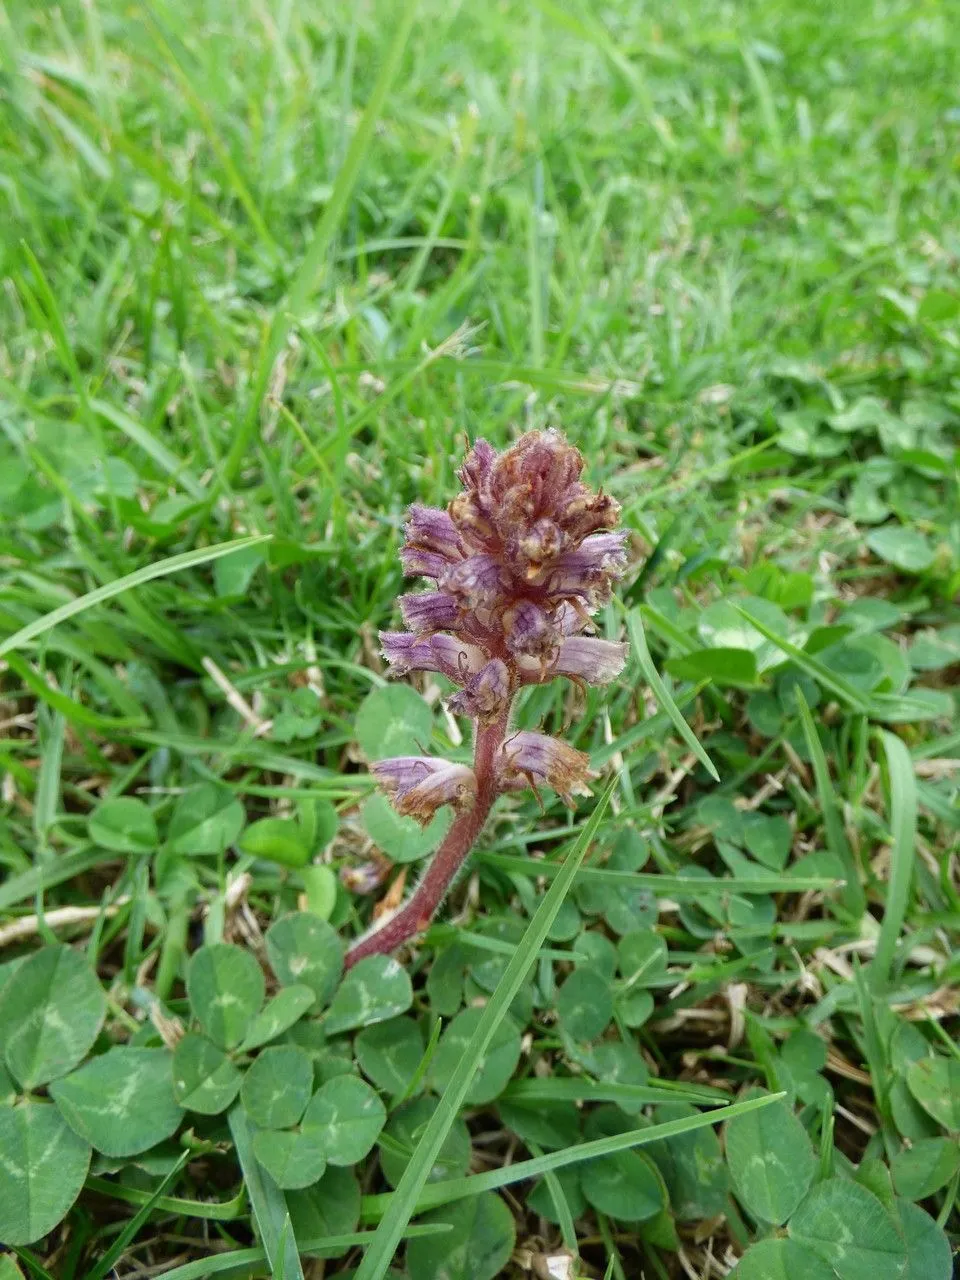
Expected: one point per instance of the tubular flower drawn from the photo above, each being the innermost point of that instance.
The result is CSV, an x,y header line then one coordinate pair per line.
x,y
419,785
532,759
519,562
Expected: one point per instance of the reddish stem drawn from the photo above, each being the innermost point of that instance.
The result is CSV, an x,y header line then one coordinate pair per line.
x,y
417,912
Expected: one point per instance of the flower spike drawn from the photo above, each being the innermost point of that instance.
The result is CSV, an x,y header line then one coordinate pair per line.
x,y
519,562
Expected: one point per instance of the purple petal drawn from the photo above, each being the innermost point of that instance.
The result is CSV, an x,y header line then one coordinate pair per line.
x,y
477,466
455,659
485,696
427,611
529,632
419,785
476,581
430,529
532,759
596,661
426,564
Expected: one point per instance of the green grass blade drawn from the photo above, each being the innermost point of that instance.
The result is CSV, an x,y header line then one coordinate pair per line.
x,y
404,1201
845,691
441,1193
267,1203
250,1262
154,448
162,569
852,895
675,886
113,1255
309,274
903,826
662,693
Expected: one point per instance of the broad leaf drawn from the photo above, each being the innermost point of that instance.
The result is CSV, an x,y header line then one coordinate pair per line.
x,y
389,1053
125,825
50,1015
375,989
771,1161
402,839
393,721
625,1185
908,549
122,1102
929,1256
207,819
306,951
478,1247
43,1165
402,1133
348,1116
204,1078
278,1015
293,1159
782,1259
276,840
922,1169
495,1067
331,1207
277,1087
692,1166
585,1004
225,986
851,1230
935,1083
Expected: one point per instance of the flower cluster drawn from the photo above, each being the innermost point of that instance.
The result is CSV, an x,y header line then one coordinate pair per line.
x,y
519,562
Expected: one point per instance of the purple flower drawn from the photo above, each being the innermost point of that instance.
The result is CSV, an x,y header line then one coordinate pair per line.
x,y
531,633
428,564
485,695
584,658
520,559
534,759
419,785
429,611
430,529
476,581
406,652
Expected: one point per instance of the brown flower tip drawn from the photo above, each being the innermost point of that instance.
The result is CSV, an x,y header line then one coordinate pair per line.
x,y
535,759
419,785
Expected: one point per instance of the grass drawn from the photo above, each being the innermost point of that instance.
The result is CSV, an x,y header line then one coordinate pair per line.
x,y
267,269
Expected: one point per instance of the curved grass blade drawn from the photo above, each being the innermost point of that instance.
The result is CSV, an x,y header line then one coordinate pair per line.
x,y
662,693
162,568
903,825
436,1194
853,897
267,1204
403,1203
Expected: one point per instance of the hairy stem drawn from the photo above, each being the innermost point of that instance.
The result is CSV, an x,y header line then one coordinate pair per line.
x,y
419,909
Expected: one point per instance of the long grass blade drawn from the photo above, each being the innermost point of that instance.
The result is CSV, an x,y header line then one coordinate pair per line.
x,y
903,827
162,569
267,1203
403,1204
441,1193
852,896
662,693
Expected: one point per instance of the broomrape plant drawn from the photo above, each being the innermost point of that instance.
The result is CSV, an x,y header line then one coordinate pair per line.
x,y
522,558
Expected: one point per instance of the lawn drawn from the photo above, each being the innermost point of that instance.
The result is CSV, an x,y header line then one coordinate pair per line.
x,y
269,270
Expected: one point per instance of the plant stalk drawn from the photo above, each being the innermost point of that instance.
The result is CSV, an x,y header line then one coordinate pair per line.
x,y
419,909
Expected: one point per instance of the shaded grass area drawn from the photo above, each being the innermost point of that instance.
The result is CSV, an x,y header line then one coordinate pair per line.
x,y
267,270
